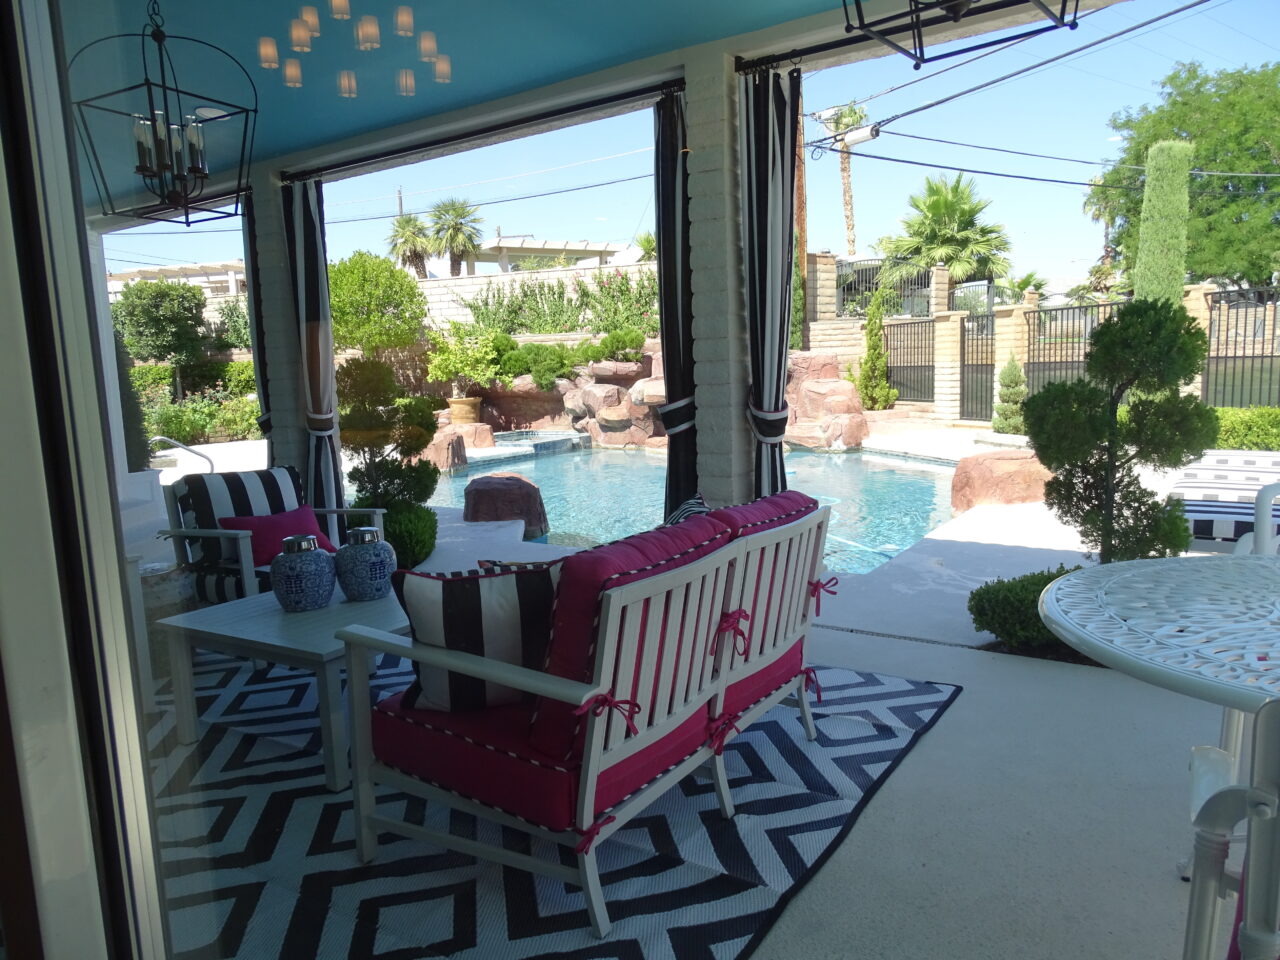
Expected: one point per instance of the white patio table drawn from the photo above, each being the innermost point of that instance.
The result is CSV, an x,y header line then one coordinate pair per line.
x,y
1208,627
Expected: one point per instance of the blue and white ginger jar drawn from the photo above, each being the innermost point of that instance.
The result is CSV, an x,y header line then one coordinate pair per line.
x,y
365,565
302,577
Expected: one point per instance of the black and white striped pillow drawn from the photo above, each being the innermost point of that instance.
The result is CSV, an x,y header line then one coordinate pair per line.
x,y
690,508
502,615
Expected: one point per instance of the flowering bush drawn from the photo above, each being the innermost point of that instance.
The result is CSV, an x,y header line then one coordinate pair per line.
x,y
612,301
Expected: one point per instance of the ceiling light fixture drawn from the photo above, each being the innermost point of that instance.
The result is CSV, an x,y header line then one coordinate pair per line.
x,y
293,72
427,51
407,83
340,9
268,54
347,84
404,21
154,126
444,69
300,36
311,17
368,37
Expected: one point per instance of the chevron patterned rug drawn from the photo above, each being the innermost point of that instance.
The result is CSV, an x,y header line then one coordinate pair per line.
x,y
259,858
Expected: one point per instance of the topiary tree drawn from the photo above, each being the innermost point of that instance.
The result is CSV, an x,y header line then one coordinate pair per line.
x,y
873,374
1080,430
161,321
375,305
1013,390
385,432
1161,267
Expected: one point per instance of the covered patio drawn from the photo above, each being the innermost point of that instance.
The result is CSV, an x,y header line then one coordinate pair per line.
x,y
1042,816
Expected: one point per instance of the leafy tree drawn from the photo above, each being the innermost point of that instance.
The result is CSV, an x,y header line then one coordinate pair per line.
x,y
797,301
1015,287
375,305
1080,431
410,243
838,121
1013,390
1233,119
162,321
137,451
1161,269
946,228
235,323
470,356
648,245
873,374
454,228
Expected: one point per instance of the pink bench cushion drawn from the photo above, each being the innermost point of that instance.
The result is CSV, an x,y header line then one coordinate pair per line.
x,y
765,513
583,578
485,755
743,693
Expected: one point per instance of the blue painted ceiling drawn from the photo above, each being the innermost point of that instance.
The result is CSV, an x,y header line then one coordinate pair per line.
x,y
498,47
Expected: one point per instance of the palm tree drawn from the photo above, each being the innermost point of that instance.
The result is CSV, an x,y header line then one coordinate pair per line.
x,y
946,228
648,245
839,120
410,243
454,228
1015,288
1099,206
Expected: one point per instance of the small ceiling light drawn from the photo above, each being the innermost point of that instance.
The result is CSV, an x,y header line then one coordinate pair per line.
x,y
268,55
293,72
444,69
427,51
340,9
404,21
311,17
368,37
408,84
861,135
347,84
300,36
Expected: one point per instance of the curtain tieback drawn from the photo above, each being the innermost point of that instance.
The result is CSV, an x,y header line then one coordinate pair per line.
x,y
601,702
589,835
721,727
811,682
677,415
731,623
767,425
817,588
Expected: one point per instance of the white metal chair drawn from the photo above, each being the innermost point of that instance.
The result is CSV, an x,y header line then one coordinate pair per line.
x,y
1258,803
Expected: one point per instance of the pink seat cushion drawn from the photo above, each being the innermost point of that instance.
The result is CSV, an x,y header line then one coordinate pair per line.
x,y
268,531
765,513
743,693
583,578
485,755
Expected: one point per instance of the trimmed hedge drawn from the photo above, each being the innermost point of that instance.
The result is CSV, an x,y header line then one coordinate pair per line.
x,y
236,376
1248,428
151,375
1007,608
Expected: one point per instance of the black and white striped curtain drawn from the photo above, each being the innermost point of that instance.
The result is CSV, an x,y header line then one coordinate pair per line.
x,y
257,328
304,236
671,186
768,105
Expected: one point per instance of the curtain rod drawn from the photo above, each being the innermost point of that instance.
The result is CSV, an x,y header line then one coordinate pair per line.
x,y
769,61
653,91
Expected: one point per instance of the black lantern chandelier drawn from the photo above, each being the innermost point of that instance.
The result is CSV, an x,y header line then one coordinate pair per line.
x,y
171,136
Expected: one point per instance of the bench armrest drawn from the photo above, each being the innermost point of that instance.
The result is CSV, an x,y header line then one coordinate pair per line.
x,y
202,532
375,512
509,675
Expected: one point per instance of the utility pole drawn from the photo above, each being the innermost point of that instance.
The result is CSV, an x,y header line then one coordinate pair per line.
x,y
400,200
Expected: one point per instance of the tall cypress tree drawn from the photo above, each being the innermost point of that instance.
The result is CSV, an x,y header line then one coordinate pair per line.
x,y
1162,236
873,375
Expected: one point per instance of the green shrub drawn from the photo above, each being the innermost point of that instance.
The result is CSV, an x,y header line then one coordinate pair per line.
x,y
239,379
1013,390
1007,608
411,531
1249,428
237,419
624,345
233,376
151,375
873,375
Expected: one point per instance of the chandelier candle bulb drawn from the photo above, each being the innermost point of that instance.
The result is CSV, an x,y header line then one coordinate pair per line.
x,y
347,84
176,140
444,69
368,36
300,36
340,9
427,51
268,53
404,21
195,148
311,17
142,136
293,72
408,84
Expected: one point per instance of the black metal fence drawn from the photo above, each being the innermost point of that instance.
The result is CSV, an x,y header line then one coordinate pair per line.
x,y
1057,340
982,296
909,345
1243,368
977,366
858,280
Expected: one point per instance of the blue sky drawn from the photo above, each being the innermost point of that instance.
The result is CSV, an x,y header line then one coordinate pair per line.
x,y
1061,110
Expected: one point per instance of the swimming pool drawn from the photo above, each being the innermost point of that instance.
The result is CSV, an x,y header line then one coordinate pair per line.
x,y
878,507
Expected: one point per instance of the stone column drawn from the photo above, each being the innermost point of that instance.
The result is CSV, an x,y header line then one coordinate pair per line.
x,y
946,363
820,288
725,444
1196,299
283,347
939,291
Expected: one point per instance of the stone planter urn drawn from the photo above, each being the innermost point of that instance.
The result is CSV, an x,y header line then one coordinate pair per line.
x,y
464,409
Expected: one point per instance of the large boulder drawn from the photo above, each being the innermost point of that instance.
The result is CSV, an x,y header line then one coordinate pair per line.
x,y
574,405
447,450
1002,476
650,392
474,434
846,431
802,366
506,496
621,372
811,436
600,396
815,399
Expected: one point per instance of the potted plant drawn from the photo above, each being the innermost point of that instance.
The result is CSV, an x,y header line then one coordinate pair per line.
x,y
468,357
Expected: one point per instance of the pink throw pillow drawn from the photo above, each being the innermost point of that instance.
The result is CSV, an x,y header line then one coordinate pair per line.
x,y
269,531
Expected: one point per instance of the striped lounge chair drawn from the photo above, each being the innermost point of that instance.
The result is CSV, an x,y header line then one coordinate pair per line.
x,y
1219,492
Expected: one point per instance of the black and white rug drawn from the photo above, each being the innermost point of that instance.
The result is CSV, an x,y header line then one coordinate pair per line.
x,y
259,858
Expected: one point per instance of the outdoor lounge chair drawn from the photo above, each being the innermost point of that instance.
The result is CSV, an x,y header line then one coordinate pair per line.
x,y
1219,493
223,560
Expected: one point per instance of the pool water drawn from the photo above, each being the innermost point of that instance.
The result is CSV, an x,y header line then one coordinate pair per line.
x,y
878,507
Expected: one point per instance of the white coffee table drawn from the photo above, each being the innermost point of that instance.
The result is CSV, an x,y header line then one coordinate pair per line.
x,y
258,628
